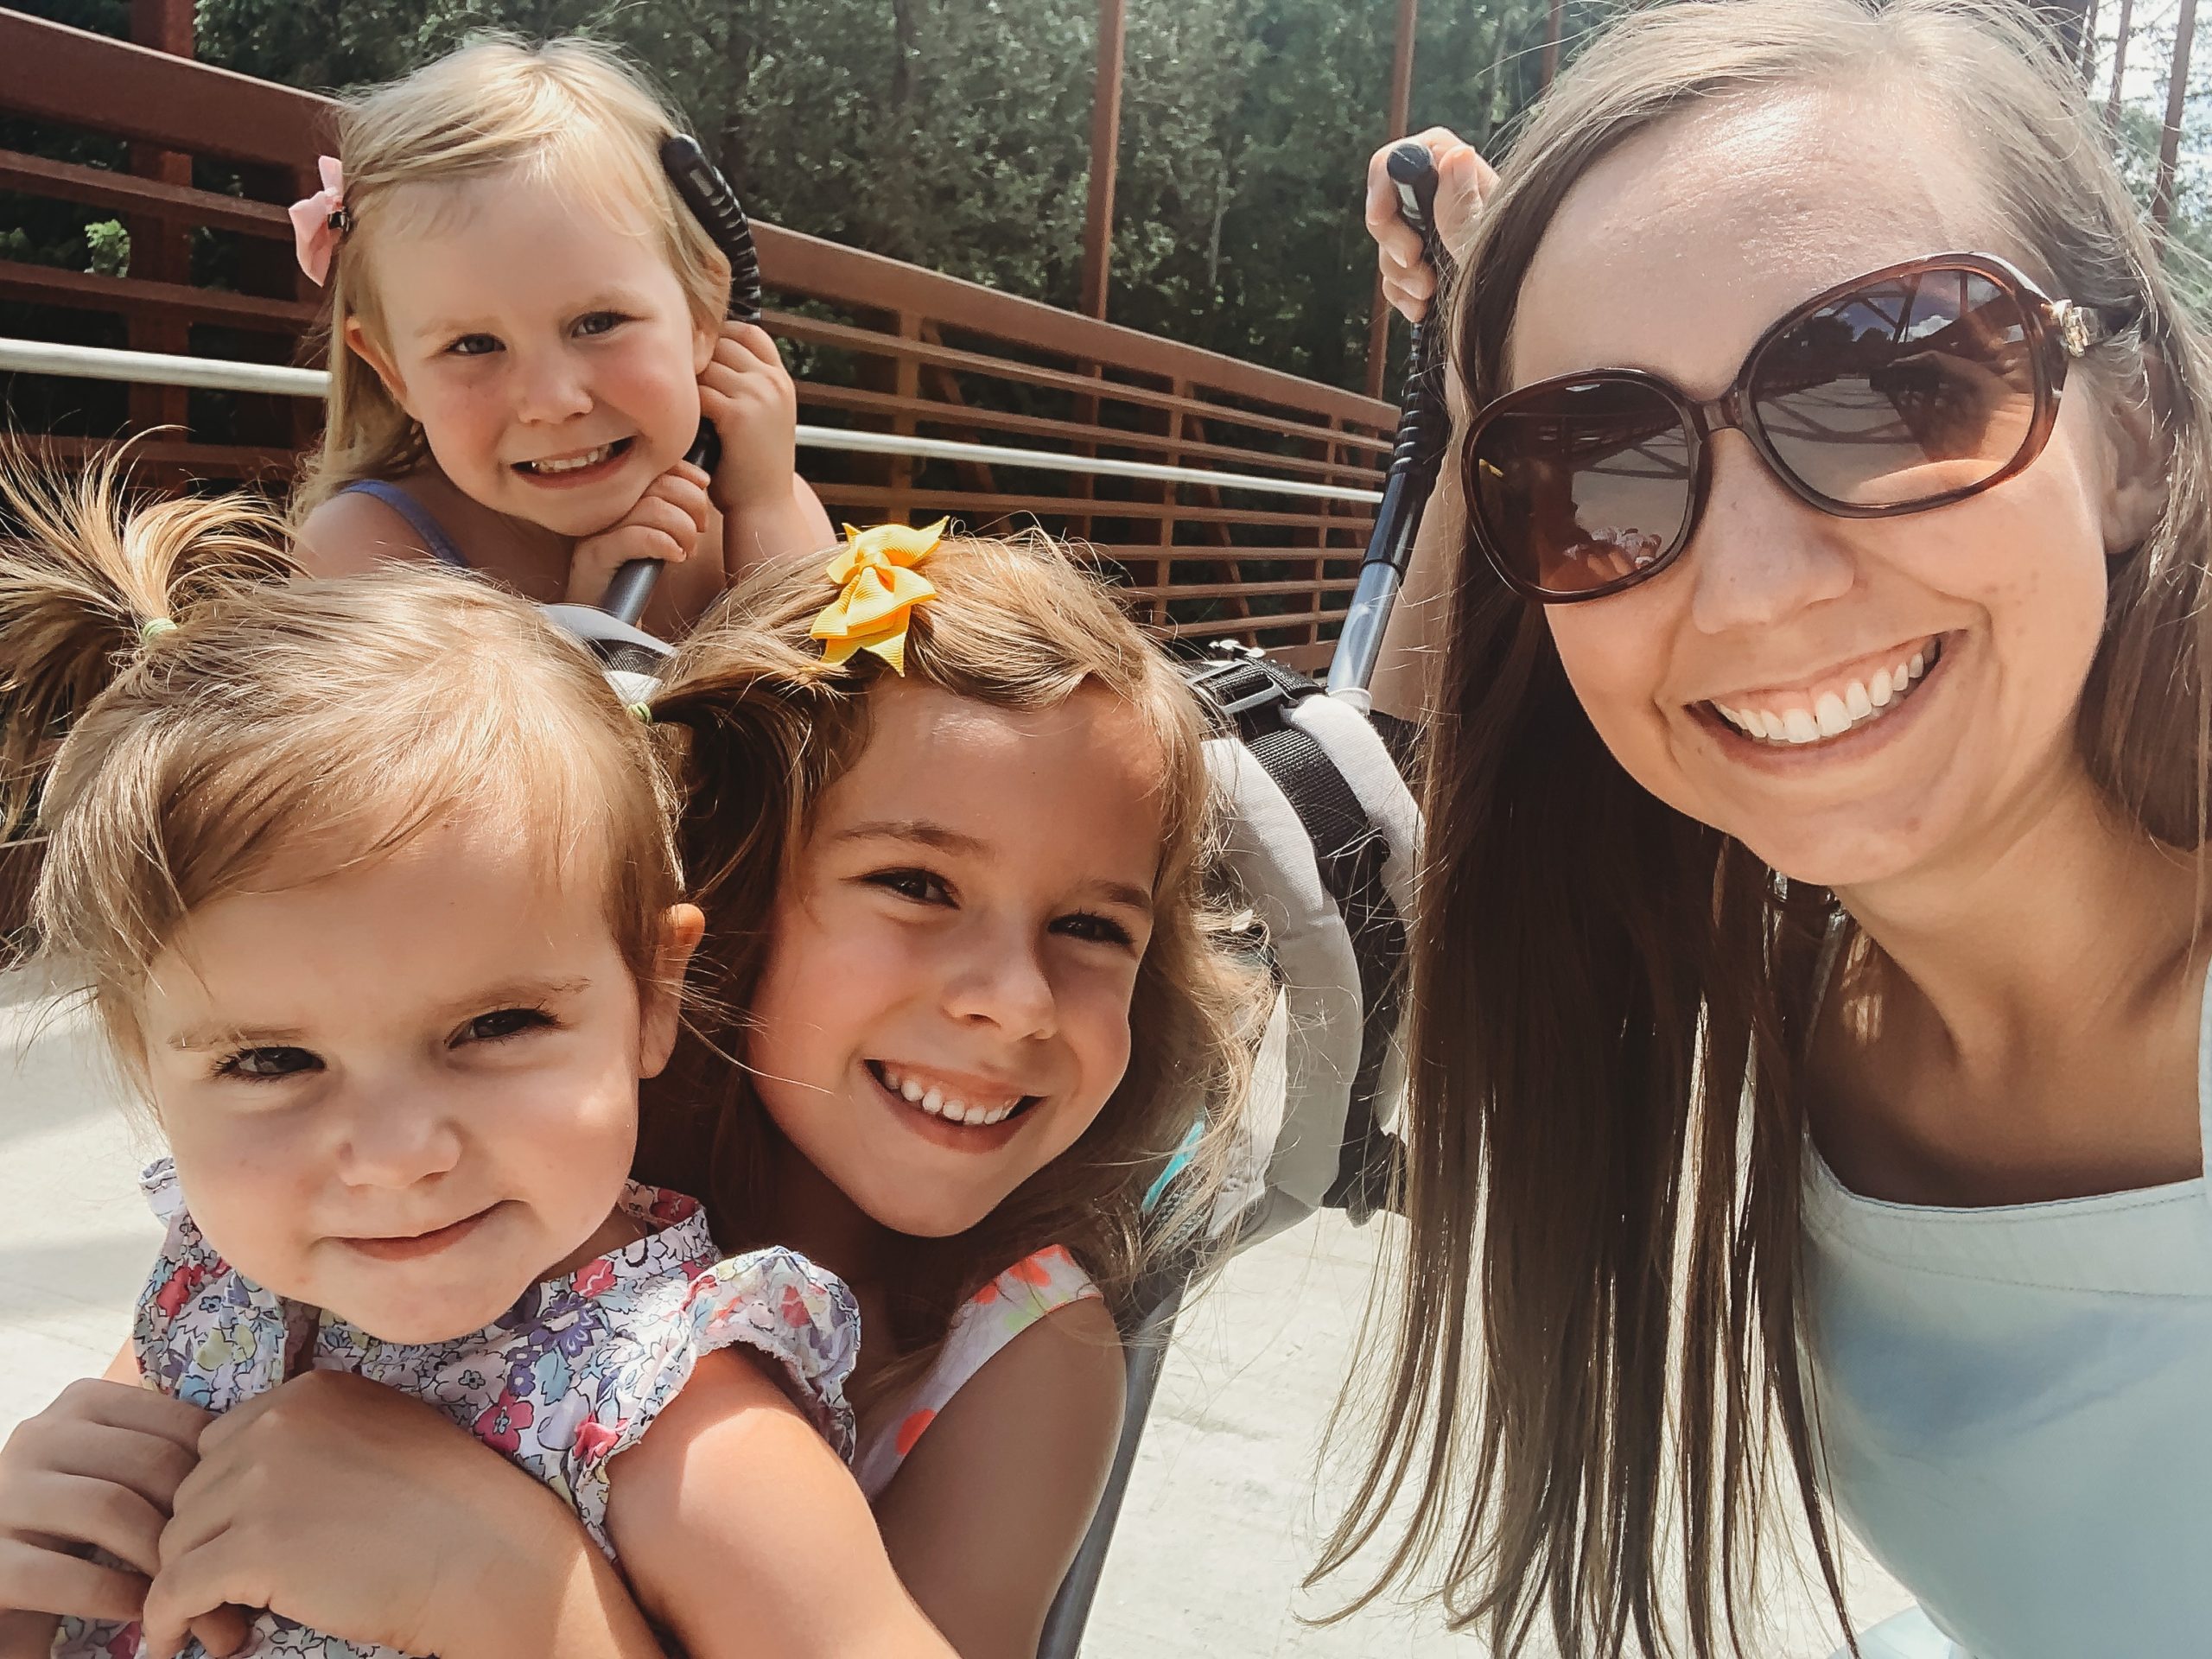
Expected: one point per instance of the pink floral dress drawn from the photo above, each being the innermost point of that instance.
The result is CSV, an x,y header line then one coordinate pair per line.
x,y
572,1375
1032,1288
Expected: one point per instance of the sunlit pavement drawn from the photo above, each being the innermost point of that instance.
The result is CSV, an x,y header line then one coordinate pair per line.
x,y
1223,1516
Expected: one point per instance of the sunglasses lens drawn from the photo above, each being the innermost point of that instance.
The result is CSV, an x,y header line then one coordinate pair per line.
x,y
1910,389
1583,484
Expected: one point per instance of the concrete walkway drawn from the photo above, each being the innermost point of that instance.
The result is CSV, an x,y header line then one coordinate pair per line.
x,y
1224,1514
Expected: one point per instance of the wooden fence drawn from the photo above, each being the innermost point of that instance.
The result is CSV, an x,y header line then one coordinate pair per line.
x,y
197,162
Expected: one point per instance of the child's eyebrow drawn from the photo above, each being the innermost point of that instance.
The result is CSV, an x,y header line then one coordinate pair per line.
x,y
945,839
197,1039
928,833
1121,893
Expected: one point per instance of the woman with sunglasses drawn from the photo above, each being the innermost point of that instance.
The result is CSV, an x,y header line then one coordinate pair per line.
x,y
1812,1074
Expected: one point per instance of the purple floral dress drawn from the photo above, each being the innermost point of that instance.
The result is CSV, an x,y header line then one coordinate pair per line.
x,y
572,1375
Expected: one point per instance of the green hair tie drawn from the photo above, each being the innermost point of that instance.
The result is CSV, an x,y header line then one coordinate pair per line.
x,y
642,712
153,628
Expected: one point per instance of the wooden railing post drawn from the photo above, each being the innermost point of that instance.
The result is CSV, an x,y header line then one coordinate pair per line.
x,y
160,248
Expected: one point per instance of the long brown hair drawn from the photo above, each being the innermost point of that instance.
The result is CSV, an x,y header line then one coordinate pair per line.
x,y
1595,1351
766,726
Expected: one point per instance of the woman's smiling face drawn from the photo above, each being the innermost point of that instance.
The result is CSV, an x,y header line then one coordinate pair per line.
x,y
1674,254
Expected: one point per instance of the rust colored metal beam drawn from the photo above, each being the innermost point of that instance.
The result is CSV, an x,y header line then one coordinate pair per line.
x,y
132,296
2118,64
52,72
959,415
954,501
825,270
1400,118
98,187
2162,195
1554,16
1105,152
791,326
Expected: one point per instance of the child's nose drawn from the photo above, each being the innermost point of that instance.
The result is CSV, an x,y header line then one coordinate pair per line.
x,y
398,1143
553,389
1000,981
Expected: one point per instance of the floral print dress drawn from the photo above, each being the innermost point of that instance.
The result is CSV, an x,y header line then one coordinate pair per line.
x,y
572,1375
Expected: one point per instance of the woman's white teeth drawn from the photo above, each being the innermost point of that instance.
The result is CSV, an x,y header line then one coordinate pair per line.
x,y
1833,713
938,1104
572,463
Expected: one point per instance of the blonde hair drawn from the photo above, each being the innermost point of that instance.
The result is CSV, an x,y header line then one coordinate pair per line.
x,y
186,717
768,727
568,111
1597,1345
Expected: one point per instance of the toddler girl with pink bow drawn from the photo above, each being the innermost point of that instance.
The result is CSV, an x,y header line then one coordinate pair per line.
x,y
526,326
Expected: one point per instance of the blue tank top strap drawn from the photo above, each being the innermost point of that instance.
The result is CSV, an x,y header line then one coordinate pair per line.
x,y
436,541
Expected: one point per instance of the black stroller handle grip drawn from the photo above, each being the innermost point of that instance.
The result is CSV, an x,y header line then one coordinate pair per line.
x,y
715,205
1413,173
1424,426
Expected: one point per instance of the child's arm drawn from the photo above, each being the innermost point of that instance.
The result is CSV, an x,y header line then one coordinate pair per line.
x,y
984,1518
768,510
433,1543
745,1535
353,533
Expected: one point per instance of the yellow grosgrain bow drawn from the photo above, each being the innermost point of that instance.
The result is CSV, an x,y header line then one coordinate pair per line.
x,y
878,589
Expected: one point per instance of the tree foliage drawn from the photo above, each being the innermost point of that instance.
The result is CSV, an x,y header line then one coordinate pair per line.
x,y
955,133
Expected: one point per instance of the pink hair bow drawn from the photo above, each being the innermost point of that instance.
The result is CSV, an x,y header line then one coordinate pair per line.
x,y
318,221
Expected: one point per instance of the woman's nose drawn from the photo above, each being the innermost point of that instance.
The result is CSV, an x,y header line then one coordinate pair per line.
x,y
393,1142
1760,555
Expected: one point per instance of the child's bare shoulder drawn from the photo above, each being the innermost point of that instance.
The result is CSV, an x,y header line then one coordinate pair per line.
x,y
353,531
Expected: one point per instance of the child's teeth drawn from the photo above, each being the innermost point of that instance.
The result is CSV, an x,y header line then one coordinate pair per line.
x,y
913,1090
934,1101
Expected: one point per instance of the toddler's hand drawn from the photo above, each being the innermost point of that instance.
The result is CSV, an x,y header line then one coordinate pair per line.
x,y
1464,182
363,1514
99,1468
749,395
665,525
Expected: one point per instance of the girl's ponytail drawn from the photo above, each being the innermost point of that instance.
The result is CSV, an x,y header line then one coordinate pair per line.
x,y
89,583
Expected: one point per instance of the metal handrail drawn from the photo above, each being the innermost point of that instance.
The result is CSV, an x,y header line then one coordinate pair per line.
x,y
220,374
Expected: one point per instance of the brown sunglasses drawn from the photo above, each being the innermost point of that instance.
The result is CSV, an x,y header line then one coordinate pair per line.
x,y
1909,388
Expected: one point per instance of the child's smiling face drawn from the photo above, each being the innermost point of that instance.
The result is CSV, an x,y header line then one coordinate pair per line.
x,y
548,353
406,1092
945,1008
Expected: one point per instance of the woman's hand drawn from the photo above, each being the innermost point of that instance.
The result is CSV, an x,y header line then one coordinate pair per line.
x,y
1464,182
748,393
99,1468
665,525
368,1515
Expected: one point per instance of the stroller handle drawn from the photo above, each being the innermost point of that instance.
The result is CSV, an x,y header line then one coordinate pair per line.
x,y
712,202
1424,424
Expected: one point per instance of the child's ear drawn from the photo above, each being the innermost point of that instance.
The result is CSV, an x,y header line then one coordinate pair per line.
x,y
364,346
703,342
681,930
2139,458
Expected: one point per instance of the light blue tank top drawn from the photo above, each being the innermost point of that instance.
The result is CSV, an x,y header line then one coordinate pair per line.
x,y
2016,1407
439,545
